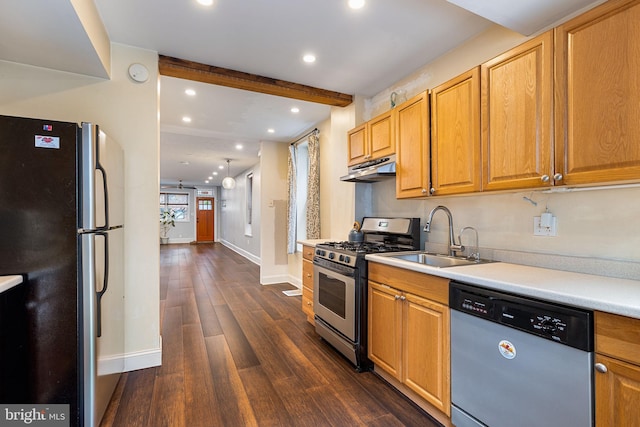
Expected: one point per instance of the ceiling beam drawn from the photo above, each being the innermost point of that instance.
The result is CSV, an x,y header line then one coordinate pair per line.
x,y
189,70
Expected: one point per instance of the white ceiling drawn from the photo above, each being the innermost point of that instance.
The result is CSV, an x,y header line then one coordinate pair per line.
x,y
358,52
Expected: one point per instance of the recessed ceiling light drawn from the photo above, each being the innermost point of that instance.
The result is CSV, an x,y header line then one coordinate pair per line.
x,y
190,92
271,130
206,182
238,146
210,177
356,4
215,173
221,167
186,119
205,2
184,162
295,110
309,58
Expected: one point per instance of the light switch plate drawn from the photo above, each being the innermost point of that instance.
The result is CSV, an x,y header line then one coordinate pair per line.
x,y
544,231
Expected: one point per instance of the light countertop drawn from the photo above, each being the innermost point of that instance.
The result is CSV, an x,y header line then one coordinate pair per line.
x,y
617,296
314,242
8,282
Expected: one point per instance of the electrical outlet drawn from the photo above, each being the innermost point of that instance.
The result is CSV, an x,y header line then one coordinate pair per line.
x,y
538,230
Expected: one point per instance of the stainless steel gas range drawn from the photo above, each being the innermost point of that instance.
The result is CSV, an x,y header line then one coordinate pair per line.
x,y
340,283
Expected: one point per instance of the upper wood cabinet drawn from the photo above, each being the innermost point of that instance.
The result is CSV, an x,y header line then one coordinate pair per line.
x,y
372,140
357,138
517,116
412,147
597,104
455,135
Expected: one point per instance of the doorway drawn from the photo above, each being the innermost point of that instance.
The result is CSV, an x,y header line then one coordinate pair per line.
x,y
204,219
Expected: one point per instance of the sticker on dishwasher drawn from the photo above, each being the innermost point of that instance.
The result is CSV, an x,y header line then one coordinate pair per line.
x,y
507,350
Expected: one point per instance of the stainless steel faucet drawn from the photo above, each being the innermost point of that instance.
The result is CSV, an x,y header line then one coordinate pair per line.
x,y
453,247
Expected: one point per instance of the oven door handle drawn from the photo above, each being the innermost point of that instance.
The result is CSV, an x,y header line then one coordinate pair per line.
x,y
344,272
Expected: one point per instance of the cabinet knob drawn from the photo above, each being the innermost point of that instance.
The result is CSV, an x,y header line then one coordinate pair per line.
x,y
558,177
544,178
402,298
308,302
601,367
424,191
308,275
432,191
397,297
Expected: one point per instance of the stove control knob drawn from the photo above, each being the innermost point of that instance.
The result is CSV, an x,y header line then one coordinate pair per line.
x,y
332,255
341,258
347,258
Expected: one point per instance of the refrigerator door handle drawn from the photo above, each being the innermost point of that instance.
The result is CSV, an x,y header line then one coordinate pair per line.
x,y
106,196
105,283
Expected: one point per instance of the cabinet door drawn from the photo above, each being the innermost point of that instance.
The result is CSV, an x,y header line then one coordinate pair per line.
x,y
455,135
598,95
426,350
385,316
412,147
517,116
381,135
357,138
307,286
617,393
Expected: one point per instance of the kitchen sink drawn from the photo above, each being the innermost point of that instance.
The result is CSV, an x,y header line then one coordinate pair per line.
x,y
435,260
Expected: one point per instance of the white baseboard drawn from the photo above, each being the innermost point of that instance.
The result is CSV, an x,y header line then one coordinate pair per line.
x,y
248,255
295,281
279,278
177,240
143,359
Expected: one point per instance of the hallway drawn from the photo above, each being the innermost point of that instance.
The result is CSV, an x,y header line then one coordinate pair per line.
x,y
236,353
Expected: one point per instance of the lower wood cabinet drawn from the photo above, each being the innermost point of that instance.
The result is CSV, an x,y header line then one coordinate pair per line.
x,y
307,282
409,331
617,376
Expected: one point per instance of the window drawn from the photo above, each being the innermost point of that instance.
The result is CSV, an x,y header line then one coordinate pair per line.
x,y
205,205
248,219
302,180
178,202
249,197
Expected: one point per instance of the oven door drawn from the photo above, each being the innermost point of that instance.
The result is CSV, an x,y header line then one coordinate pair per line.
x,y
334,298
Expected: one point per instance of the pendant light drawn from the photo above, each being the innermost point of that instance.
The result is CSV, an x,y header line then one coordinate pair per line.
x,y
228,182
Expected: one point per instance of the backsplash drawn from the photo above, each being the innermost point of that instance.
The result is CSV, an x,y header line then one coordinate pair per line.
x,y
598,230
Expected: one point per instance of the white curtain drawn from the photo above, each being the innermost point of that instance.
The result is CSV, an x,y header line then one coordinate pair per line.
x,y
291,200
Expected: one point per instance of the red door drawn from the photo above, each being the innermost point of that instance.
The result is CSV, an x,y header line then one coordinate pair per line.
x,y
204,219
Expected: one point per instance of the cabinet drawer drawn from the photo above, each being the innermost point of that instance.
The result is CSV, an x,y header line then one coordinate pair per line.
x,y
307,252
307,301
421,284
307,274
618,336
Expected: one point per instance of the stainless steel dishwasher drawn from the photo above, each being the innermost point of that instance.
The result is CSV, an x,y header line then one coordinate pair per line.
x,y
517,361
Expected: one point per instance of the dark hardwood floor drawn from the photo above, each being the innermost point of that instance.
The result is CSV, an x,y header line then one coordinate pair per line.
x,y
236,353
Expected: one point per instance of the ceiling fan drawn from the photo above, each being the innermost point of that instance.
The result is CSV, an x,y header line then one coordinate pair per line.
x,y
180,186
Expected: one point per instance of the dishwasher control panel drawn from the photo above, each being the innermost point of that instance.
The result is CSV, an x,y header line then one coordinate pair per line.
x,y
555,322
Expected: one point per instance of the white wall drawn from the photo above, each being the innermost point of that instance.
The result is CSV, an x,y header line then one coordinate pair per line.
x,y
233,215
273,210
128,112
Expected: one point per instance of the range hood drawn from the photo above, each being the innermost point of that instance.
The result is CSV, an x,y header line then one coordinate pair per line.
x,y
524,16
372,171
